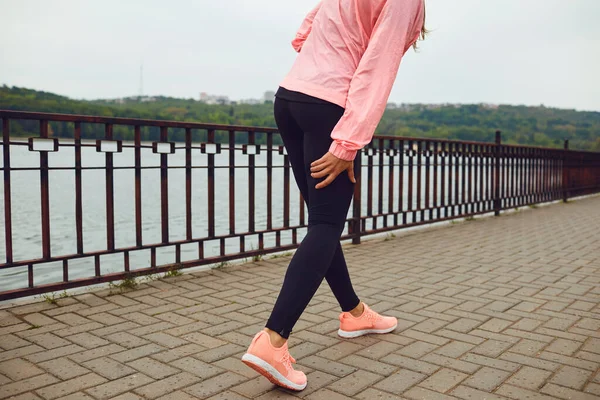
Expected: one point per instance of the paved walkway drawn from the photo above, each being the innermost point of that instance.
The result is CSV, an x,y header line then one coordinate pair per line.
x,y
495,308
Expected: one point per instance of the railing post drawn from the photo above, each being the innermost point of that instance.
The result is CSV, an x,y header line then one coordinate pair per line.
x,y
565,175
498,148
356,209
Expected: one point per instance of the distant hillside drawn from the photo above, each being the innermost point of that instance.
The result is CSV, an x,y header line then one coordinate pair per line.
x,y
538,126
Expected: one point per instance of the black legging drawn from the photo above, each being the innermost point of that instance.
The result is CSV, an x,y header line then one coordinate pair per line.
x,y
305,128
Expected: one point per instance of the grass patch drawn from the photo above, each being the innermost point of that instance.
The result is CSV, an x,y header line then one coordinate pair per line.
x,y
128,283
222,264
52,299
173,271
286,254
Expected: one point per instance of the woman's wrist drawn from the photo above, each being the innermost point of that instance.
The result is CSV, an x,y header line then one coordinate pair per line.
x,y
340,152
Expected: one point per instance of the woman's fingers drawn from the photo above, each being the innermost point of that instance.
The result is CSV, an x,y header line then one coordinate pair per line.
x,y
319,161
320,167
326,182
329,167
321,173
351,173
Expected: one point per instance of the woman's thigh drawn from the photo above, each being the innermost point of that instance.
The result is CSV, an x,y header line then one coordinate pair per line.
x,y
330,204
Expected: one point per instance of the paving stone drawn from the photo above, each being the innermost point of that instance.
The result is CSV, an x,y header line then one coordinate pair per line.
x,y
468,393
317,380
593,388
356,382
374,394
528,347
410,364
417,349
214,385
340,350
572,361
399,381
137,352
495,325
566,393
152,368
221,396
87,340
326,394
254,387
17,369
197,367
235,365
454,349
419,393
487,379
328,366
491,348
529,378
491,362
91,354
571,377
443,380
459,365
517,393
162,387
464,325
526,324
530,361
592,345
108,368
563,346
26,385
69,386
113,388
53,353
378,350
219,353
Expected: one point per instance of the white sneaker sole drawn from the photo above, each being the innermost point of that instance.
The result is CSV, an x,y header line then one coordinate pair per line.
x,y
354,334
269,372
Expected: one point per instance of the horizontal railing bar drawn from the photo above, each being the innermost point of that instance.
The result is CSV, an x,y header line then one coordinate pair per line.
x,y
53,117
147,247
133,167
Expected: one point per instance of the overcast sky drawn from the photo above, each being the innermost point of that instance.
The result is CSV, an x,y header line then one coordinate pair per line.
x,y
498,51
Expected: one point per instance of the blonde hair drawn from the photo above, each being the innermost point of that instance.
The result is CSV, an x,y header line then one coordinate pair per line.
x,y
424,31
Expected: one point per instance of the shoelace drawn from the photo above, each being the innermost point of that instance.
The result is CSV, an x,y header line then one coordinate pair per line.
x,y
287,360
372,316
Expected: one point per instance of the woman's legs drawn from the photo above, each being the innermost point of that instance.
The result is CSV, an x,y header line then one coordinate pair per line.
x,y
305,129
337,275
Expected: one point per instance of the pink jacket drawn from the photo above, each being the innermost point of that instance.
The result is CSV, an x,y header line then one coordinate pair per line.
x,y
350,52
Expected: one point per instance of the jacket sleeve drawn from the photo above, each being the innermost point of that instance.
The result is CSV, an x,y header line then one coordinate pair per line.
x,y
305,28
397,28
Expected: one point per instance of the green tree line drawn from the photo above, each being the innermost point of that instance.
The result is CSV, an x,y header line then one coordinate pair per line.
x,y
536,126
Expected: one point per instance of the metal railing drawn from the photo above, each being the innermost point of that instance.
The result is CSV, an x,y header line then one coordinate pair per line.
x,y
402,182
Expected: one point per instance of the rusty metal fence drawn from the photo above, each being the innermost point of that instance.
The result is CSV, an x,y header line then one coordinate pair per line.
x,y
402,182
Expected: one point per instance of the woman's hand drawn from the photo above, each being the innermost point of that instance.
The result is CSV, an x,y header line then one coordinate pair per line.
x,y
330,166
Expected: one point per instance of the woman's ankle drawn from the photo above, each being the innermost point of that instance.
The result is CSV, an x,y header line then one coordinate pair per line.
x,y
358,310
276,339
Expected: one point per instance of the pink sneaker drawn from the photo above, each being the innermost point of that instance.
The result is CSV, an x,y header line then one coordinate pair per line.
x,y
273,363
368,322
